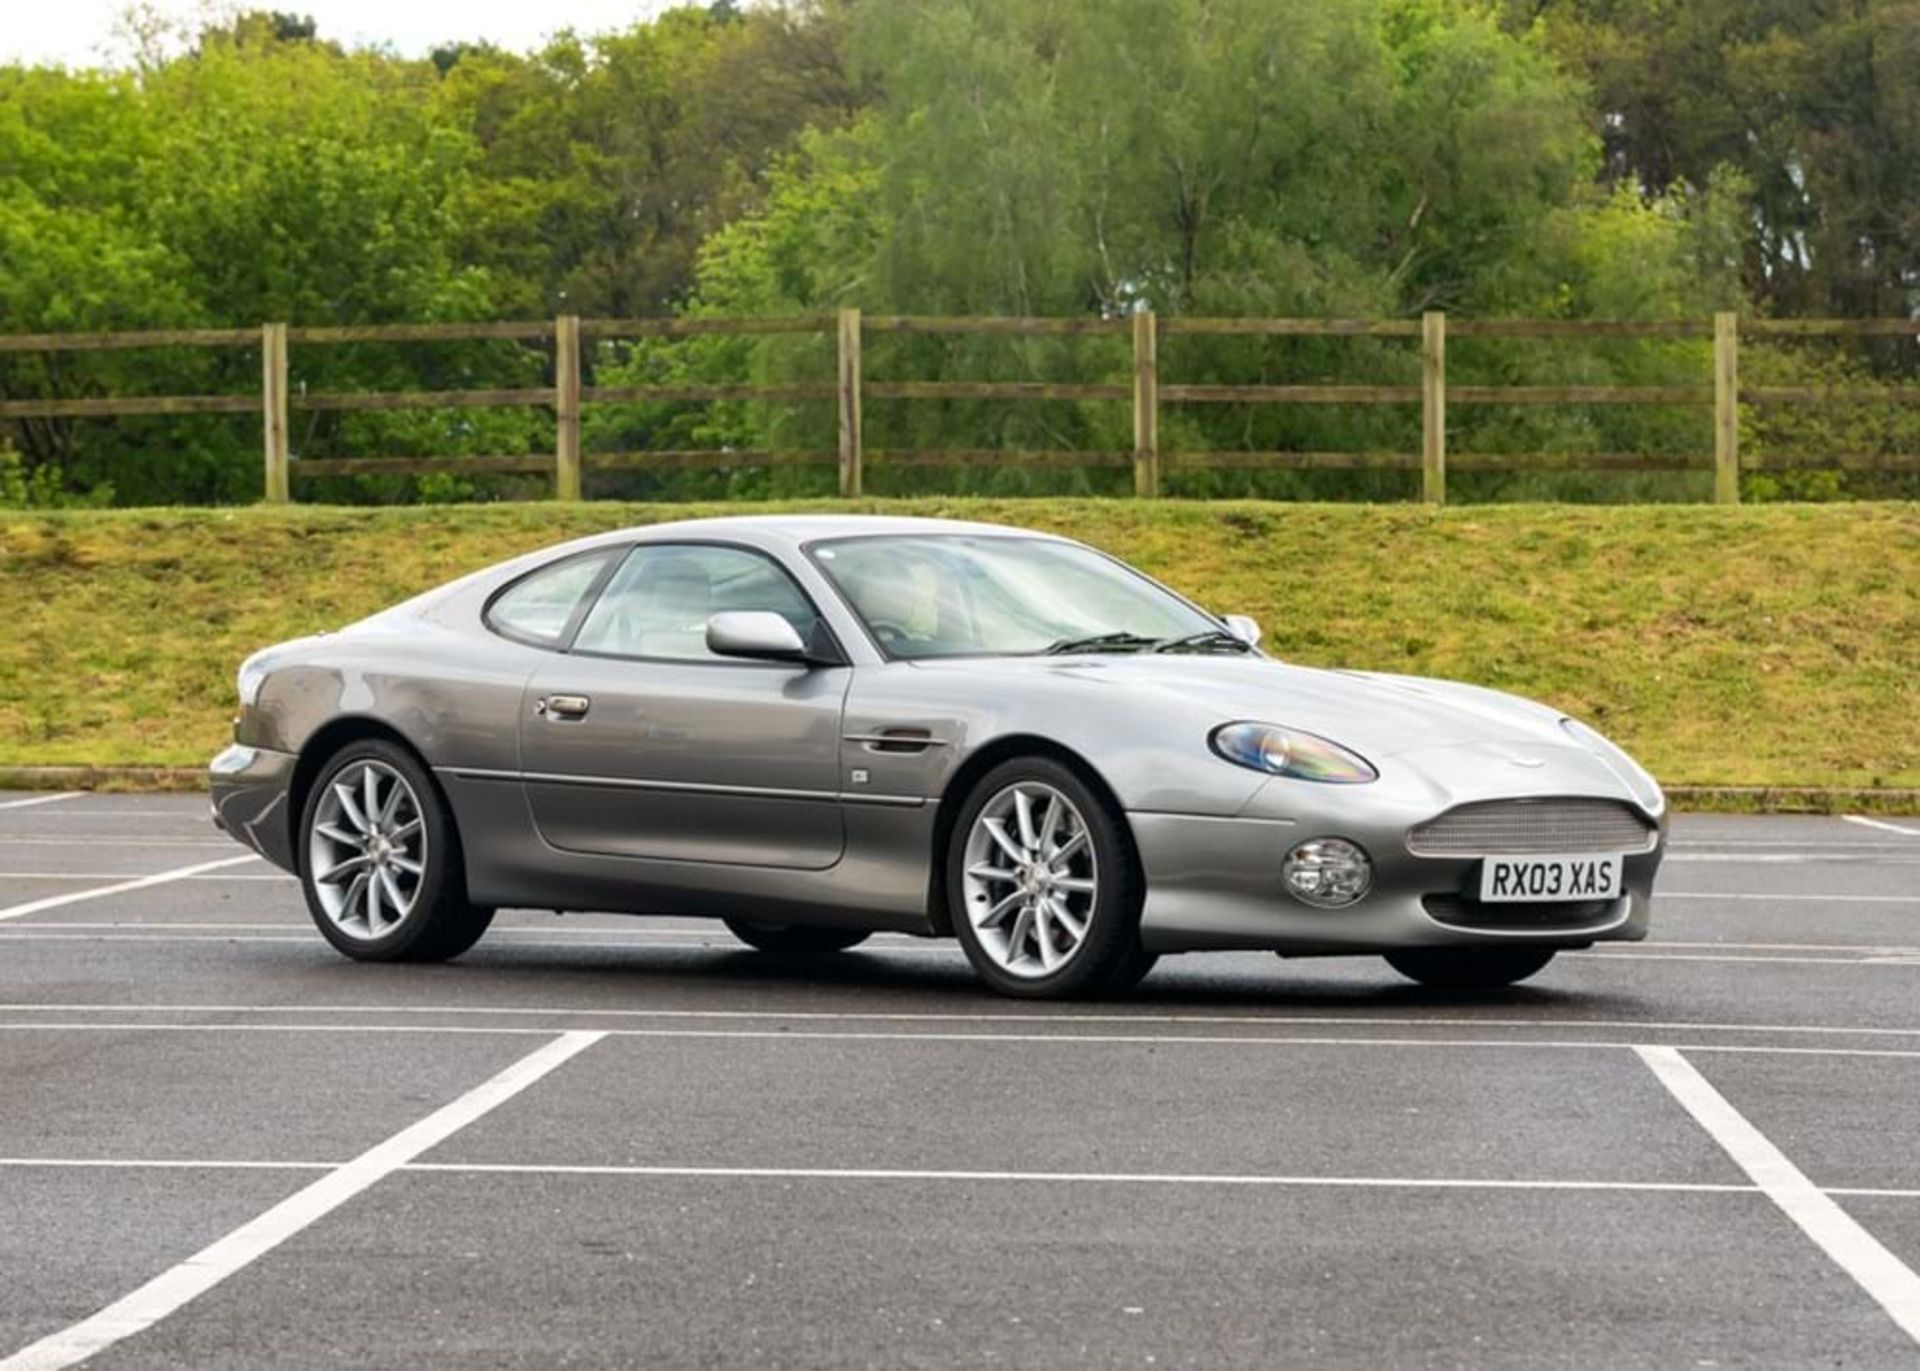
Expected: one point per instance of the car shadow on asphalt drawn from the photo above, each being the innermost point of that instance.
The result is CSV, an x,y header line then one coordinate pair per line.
x,y
896,984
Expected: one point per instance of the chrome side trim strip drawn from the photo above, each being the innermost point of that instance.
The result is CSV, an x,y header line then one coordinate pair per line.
x,y
1213,818
900,740
680,787
683,787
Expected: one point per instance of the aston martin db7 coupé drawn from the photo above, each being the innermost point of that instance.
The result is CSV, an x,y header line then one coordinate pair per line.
x,y
813,728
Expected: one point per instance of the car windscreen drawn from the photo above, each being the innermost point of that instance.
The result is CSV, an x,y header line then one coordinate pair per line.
x,y
963,595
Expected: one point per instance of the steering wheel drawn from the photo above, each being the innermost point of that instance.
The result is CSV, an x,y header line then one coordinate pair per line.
x,y
889,633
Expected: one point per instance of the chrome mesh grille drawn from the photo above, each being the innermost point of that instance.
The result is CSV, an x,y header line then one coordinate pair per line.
x,y
1519,827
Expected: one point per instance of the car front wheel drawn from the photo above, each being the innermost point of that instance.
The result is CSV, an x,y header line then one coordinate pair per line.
x,y
380,860
1469,968
1043,887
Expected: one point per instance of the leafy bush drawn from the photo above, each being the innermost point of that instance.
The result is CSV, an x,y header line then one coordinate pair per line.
x,y
40,487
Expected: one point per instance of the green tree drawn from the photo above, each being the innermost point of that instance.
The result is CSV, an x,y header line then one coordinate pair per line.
x,y
256,177
1815,102
605,161
1031,158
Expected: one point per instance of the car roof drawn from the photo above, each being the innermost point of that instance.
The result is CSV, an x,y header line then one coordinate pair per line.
x,y
792,530
771,533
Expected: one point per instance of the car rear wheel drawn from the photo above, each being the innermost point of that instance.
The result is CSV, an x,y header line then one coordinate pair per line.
x,y
1043,887
797,940
380,860
1469,968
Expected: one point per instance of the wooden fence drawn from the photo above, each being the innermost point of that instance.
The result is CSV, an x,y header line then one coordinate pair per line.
x,y
568,336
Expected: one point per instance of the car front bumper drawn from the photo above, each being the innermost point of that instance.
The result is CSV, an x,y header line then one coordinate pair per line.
x,y
1215,882
249,787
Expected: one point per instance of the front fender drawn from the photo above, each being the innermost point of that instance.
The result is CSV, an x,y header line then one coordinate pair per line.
x,y
1154,758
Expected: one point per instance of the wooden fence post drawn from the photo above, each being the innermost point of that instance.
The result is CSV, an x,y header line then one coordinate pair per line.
x,y
1146,406
1726,408
566,407
278,487
850,451
1433,407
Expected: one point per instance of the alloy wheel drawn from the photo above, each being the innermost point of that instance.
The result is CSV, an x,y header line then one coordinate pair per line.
x,y
1030,879
367,852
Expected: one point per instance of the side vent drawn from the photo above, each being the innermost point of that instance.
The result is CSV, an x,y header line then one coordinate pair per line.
x,y
896,740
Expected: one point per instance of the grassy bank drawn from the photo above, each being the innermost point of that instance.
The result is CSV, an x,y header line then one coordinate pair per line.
x,y
1770,645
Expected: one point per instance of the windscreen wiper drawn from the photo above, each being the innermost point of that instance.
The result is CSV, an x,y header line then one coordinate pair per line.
x,y
1205,641
1100,642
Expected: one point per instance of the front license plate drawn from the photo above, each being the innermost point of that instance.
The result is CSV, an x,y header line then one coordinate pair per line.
x,y
1506,880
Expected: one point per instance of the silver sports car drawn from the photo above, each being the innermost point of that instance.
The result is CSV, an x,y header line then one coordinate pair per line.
x,y
814,728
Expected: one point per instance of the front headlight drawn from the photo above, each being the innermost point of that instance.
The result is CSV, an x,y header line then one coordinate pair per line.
x,y
1288,752
1645,789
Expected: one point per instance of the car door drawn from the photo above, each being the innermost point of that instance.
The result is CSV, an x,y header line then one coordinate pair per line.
x,y
639,742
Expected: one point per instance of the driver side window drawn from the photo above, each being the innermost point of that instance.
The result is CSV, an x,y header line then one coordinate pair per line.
x,y
659,601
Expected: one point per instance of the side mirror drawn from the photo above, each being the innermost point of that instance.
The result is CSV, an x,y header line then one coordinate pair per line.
x,y
1243,628
756,633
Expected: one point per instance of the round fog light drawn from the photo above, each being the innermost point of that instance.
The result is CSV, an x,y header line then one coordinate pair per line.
x,y
1327,872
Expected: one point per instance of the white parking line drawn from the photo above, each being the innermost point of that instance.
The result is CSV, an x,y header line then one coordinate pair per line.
x,y
302,922
1797,858
1760,1049
1882,824
199,1273
19,839
641,931
1890,1281
113,875
1870,959
642,935
170,813
788,1035
159,1164
1862,949
539,940
423,1030
33,800
605,940
1786,844
16,936
310,939
179,873
838,1173
1663,895
891,1173
332,1010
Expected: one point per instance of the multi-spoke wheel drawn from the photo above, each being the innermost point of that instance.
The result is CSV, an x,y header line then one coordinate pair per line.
x,y
1030,879
367,849
1042,885
381,866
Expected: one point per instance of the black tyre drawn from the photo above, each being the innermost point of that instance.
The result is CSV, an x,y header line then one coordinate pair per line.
x,y
797,940
1043,885
380,860
1469,968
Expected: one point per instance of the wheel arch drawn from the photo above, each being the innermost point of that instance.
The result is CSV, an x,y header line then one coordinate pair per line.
x,y
320,748
960,785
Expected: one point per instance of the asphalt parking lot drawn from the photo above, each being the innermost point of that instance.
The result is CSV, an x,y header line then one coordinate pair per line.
x,y
600,1141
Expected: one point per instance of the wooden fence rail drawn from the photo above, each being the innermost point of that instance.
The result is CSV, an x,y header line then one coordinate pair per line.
x,y
1148,392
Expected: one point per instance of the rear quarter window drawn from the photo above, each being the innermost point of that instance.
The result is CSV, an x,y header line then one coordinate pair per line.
x,y
539,607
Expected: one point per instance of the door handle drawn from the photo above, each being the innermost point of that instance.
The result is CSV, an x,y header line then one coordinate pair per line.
x,y
562,706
